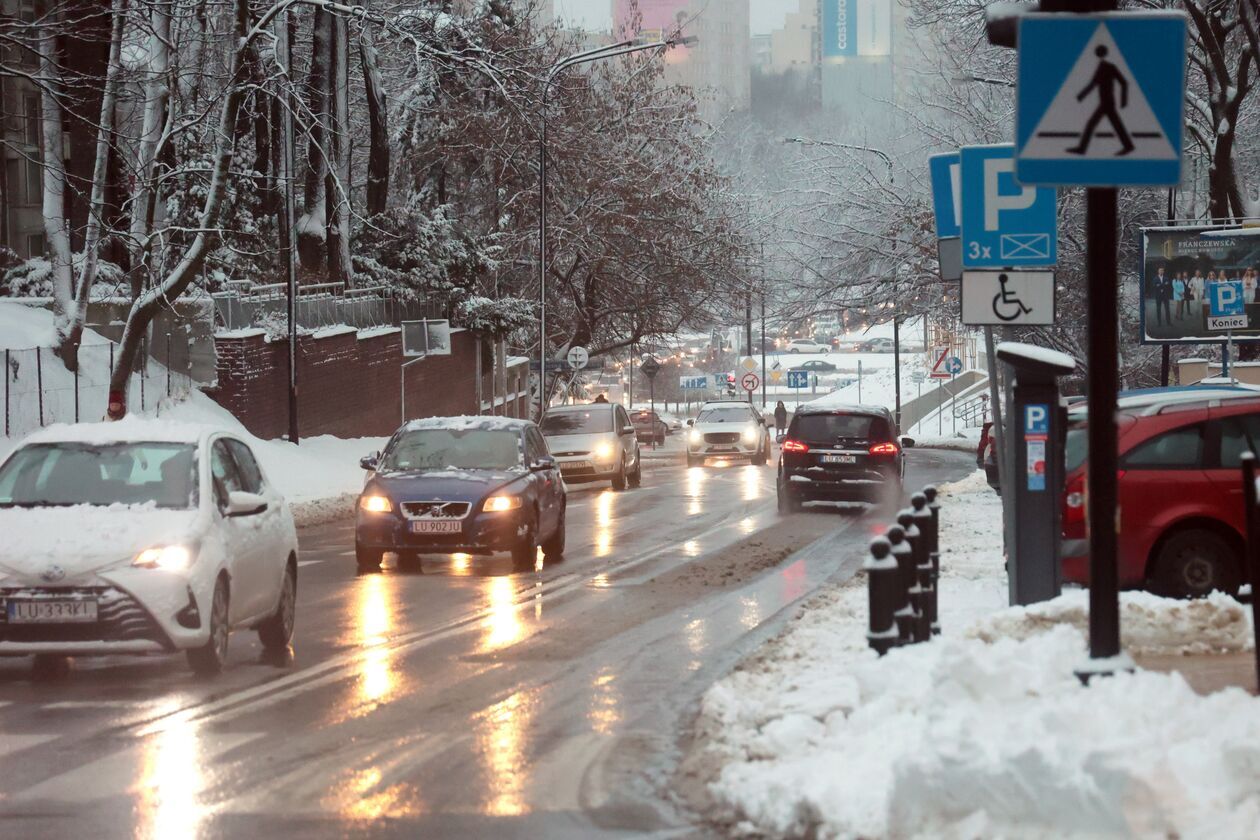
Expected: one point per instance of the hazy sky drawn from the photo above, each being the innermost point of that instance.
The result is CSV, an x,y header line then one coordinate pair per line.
x,y
764,15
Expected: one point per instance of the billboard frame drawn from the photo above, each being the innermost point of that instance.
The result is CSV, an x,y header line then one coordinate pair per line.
x,y
1188,226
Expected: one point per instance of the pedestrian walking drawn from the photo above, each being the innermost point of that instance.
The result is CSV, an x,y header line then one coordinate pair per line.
x,y
780,421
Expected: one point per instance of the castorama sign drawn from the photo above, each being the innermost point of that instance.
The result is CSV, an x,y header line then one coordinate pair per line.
x,y
856,27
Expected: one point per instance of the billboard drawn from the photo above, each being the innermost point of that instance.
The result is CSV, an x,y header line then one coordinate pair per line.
x,y
856,27
1181,265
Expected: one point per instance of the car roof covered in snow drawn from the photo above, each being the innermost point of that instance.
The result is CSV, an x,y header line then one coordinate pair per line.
x,y
467,423
843,409
128,430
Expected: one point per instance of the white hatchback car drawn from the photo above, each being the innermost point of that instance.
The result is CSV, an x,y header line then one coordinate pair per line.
x,y
805,345
142,536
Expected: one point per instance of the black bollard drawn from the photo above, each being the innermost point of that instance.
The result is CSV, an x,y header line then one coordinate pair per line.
x,y
919,557
934,507
904,555
881,585
926,568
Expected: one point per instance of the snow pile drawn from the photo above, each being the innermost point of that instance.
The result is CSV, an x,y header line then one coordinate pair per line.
x,y
962,738
985,732
1150,624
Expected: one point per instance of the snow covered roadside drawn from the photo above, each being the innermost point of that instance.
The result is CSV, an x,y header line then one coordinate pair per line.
x,y
985,732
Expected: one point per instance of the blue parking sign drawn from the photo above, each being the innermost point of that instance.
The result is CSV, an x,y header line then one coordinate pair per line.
x,y
1225,297
945,193
1004,224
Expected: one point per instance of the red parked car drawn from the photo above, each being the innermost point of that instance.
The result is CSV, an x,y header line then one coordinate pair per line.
x,y
1181,520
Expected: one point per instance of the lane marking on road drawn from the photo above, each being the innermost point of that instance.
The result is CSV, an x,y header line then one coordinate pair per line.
x,y
339,667
63,705
302,563
11,743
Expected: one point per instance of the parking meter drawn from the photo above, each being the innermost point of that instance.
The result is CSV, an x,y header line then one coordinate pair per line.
x,y
1033,442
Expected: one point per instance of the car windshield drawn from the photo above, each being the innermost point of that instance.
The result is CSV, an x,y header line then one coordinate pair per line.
x,y
57,474
463,449
726,414
577,422
832,426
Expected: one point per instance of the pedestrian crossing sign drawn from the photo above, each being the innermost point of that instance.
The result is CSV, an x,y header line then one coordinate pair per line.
x,y
1100,99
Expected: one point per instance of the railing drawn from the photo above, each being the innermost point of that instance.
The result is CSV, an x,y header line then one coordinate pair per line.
x,y
903,573
39,391
244,305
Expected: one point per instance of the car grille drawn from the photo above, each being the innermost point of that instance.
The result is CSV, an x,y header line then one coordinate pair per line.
x,y
436,510
120,618
722,437
569,454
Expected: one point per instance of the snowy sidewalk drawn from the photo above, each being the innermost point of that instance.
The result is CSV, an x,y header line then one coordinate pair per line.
x,y
984,732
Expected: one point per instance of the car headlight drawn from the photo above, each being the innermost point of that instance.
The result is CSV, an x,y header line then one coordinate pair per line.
x,y
172,558
603,451
499,504
375,504
694,436
750,434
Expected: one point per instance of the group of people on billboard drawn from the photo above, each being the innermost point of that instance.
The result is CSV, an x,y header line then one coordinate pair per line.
x,y
1180,295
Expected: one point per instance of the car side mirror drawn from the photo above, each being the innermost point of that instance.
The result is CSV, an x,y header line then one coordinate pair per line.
x,y
241,503
370,462
627,430
907,442
543,463
690,422
761,420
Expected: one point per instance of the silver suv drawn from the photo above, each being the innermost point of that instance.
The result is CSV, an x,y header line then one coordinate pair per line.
x,y
728,429
594,442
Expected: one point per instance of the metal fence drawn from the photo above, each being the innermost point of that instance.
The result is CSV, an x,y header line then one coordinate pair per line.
x,y
39,391
246,304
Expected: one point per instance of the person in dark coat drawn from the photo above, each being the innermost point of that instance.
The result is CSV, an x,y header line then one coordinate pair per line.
x,y
780,420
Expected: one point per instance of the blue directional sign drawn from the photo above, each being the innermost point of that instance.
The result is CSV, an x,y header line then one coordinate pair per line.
x,y
1004,224
694,383
953,365
1100,99
798,379
945,194
1225,298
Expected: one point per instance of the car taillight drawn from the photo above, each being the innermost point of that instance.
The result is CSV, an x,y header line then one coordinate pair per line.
x,y
790,445
884,449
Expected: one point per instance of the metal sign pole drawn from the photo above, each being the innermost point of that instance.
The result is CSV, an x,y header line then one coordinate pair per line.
x,y
1104,590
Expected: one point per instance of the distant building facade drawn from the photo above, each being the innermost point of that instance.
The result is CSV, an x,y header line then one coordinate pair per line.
x,y
718,66
21,177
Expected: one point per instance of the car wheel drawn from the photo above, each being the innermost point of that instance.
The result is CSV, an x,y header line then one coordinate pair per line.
x,y
788,501
553,548
367,559
636,477
619,480
210,658
790,350
277,631
1193,563
759,457
525,552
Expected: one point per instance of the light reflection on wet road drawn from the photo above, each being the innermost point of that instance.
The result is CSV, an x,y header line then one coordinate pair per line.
x,y
444,696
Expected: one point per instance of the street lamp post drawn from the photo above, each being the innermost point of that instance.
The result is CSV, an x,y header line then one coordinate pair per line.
x,y
610,51
808,141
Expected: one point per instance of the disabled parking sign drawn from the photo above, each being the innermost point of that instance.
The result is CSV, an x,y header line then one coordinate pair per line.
x,y
1100,99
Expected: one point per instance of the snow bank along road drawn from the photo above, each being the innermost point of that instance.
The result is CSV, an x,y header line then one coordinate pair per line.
x,y
464,700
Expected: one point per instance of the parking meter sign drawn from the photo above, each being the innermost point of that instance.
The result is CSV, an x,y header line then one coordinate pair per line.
x,y
1036,421
1036,464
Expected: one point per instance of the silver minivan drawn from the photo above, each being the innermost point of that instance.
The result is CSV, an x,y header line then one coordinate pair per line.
x,y
594,442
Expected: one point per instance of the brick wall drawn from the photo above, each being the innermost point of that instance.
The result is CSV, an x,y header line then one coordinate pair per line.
x,y
349,382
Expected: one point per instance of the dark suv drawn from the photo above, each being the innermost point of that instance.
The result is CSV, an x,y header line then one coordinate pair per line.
x,y
841,454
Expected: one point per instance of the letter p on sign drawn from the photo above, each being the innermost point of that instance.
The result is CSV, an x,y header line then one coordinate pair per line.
x,y
995,201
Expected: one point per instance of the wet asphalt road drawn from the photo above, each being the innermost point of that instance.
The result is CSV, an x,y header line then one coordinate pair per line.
x,y
459,700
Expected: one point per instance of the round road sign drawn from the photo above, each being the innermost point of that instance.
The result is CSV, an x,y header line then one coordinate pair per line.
x,y
578,357
953,365
750,381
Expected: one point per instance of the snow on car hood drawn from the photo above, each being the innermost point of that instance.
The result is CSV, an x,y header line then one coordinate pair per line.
x,y
82,539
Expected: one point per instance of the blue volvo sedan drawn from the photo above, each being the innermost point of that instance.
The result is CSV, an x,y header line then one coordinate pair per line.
x,y
474,485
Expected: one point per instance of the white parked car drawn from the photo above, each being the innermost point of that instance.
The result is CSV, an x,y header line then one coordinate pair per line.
x,y
142,536
805,345
728,429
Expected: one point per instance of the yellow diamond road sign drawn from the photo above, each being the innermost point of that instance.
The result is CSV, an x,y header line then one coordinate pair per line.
x,y
776,376
749,364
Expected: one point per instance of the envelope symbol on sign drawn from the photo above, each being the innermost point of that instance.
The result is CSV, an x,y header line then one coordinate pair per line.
x,y
1027,246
